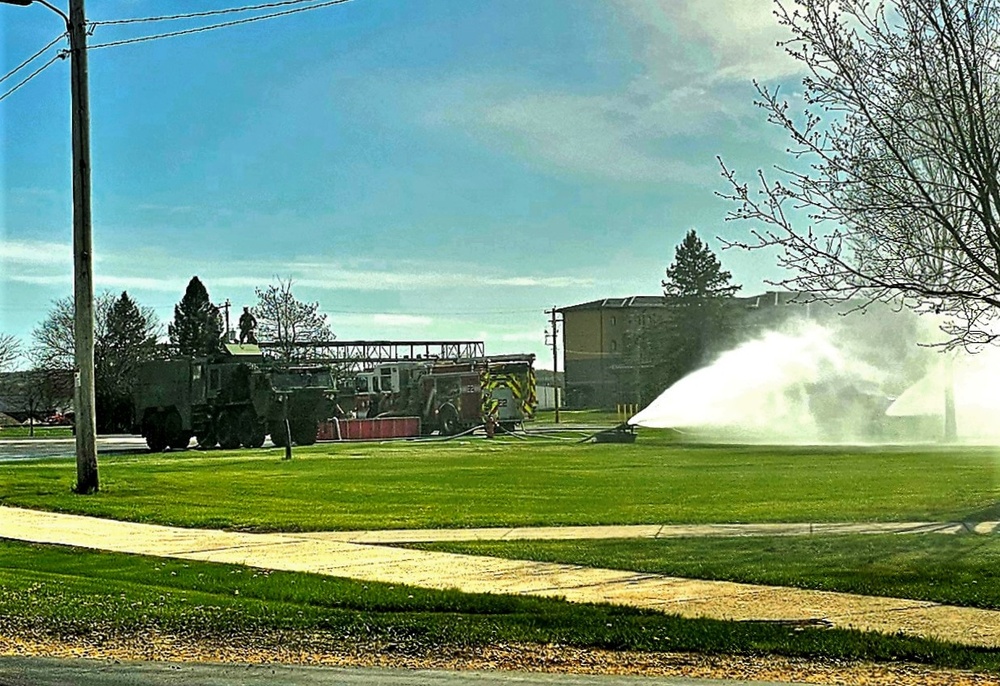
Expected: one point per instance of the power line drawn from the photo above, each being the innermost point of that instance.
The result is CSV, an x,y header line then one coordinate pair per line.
x,y
210,27
33,74
31,59
194,15
432,312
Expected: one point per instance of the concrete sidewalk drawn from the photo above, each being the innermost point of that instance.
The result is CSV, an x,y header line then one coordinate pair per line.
x,y
562,533
318,553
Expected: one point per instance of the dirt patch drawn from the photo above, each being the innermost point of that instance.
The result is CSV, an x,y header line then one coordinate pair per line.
x,y
530,658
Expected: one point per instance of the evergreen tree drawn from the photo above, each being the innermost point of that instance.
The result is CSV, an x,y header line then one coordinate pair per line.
x,y
124,336
128,339
197,327
698,320
696,274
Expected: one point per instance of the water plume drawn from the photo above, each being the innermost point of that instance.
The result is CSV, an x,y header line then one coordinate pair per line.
x,y
974,381
798,384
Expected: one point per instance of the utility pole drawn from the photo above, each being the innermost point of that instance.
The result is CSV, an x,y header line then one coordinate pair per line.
x,y
226,305
83,273
555,357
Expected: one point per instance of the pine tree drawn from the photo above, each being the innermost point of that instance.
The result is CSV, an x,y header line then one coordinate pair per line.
x,y
696,272
699,320
197,327
128,339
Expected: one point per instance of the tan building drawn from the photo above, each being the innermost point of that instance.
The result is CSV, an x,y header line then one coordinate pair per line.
x,y
598,371
594,338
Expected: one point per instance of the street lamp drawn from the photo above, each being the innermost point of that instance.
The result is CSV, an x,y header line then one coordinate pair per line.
x,y
83,273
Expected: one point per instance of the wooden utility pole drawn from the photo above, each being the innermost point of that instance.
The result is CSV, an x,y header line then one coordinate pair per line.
x,y
83,273
83,276
555,357
226,305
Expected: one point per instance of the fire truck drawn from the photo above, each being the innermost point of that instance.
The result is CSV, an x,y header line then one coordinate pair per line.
x,y
449,396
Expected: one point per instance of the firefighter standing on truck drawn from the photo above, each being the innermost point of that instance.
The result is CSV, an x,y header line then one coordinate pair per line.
x,y
248,324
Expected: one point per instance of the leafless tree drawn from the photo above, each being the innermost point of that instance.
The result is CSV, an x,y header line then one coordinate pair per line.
x,y
10,350
287,322
52,340
892,189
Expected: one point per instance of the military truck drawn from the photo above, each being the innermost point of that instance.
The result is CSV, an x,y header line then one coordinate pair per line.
x,y
231,400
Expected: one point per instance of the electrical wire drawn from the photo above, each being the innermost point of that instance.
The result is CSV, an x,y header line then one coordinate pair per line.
x,y
418,313
210,27
195,15
31,59
33,74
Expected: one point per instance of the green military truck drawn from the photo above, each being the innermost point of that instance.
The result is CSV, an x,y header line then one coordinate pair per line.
x,y
232,400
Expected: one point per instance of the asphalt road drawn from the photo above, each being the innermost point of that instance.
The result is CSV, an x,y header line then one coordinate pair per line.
x,y
23,671
38,448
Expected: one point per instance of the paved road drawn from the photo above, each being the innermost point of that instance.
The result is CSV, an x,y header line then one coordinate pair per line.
x,y
19,671
475,574
16,449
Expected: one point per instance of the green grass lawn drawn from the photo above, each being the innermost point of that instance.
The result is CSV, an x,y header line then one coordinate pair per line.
x,y
510,482
956,570
21,432
506,482
62,592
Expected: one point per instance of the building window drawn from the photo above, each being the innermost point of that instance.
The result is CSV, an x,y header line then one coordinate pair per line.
x,y
614,320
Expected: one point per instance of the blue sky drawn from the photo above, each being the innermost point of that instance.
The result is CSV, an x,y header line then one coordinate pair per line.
x,y
442,169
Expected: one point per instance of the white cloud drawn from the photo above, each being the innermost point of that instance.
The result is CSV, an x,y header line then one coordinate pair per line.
x,y
690,57
169,284
50,264
605,136
735,38
401,320
19,252
166,209
532,336
42,279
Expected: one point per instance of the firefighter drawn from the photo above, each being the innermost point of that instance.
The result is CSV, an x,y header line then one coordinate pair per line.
x,y
248,324
491,424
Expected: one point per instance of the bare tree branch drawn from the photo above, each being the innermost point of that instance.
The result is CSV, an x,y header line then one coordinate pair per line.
x,y
287,322
893,183
10,350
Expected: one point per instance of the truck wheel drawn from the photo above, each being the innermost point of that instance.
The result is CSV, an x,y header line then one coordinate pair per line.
x,y
175,435
229,436
153,430
304,432
180,441
251,430
448,420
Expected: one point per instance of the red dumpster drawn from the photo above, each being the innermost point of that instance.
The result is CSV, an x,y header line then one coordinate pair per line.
x,y
369,429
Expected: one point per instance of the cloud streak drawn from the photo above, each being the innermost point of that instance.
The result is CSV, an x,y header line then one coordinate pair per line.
x,y
735,39
49,264
692,61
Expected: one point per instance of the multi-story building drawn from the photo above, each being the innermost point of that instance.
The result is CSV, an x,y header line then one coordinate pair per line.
x,y
600,369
